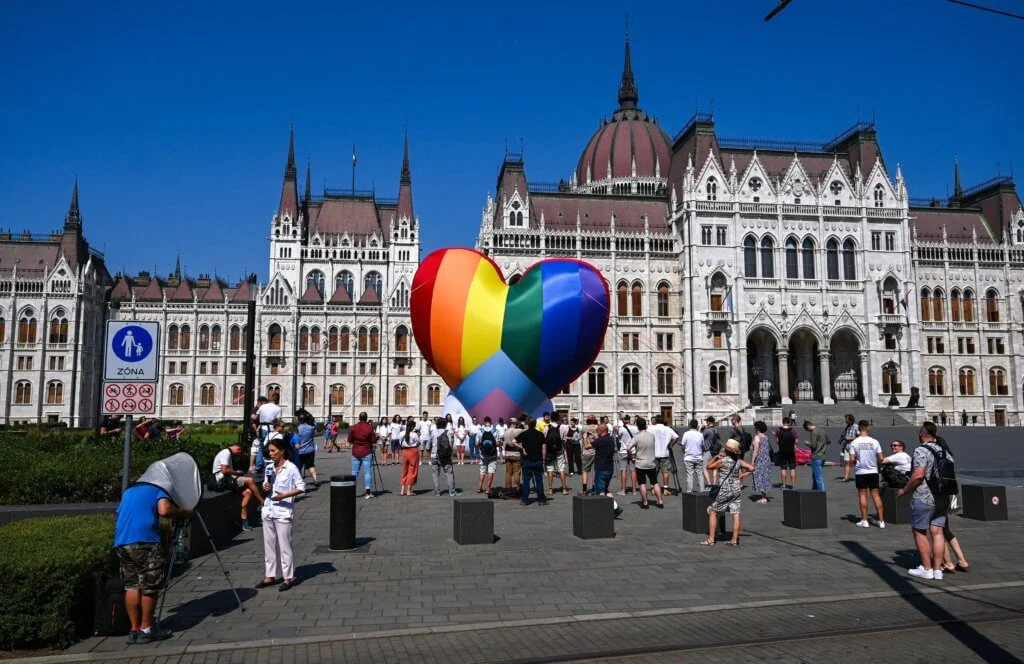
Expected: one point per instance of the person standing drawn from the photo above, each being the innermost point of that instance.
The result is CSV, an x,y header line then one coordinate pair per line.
x,y
817,444
642,447
574,447
530,443
499,433
712,446
267,412
942,418
306,447
410,442
587,452
424,429
488,456
474,439
555,460
395,433
785,438
693,458
848,456
513,459
141,555
867,454
283,484
461,440
441,459
732,468
361,440
543,423
627,474
928,517
384,440
963,418
664,439
604,465
761,454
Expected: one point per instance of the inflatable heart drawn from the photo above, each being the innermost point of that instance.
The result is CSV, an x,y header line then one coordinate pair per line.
x,y
507,349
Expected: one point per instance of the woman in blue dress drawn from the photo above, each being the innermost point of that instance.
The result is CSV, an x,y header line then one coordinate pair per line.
x,y
761,455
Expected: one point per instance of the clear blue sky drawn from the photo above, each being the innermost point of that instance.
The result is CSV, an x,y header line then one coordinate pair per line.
x,y
176,118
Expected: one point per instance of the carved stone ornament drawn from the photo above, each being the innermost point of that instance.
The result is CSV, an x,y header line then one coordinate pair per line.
x,y
792,299
751,298
835,300
813,300
771,299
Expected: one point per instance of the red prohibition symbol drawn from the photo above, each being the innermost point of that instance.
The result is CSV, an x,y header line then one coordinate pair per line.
x,y
145,391
112,405
128,405
145,405
113,390
129,390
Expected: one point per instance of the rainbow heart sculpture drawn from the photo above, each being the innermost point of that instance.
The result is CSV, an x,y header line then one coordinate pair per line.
x,y
505,350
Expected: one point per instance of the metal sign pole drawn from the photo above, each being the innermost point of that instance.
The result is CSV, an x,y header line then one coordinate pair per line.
x,y
126,466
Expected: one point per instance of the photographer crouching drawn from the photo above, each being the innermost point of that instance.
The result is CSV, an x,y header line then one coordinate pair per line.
x,y
142,557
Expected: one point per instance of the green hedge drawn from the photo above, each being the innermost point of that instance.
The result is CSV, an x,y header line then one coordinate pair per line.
x,y
81,468
49,569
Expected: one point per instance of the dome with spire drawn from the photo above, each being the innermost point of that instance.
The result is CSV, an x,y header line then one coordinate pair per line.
x,y
630,152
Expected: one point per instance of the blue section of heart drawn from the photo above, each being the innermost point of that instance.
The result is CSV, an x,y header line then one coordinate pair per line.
x,y
498,372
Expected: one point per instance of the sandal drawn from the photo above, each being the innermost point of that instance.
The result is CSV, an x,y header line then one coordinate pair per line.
x,y
707,542
960,567
731,543
265,584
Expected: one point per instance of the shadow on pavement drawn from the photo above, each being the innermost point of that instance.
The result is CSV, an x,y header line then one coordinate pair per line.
x,y
981,645
304,573
219,603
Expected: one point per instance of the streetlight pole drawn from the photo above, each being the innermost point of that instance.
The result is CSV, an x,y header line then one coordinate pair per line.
x,y
892,370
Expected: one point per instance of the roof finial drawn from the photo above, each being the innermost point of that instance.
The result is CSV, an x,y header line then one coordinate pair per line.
x,y
177,267
406,173
958,190
628,93
289,170
74,215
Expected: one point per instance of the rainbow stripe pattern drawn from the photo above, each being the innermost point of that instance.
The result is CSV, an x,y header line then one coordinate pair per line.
x,y
507,349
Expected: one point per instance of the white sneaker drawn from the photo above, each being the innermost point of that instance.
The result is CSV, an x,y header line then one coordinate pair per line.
x,y
922,573
863,524
881,524
937,574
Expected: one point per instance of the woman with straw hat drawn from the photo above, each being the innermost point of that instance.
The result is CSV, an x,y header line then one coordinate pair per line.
x,y
731,469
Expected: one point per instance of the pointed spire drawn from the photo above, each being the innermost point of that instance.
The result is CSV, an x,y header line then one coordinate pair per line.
x,y
74,215
289,170
405,210
406,173
628,93
958,189
307,197
177,268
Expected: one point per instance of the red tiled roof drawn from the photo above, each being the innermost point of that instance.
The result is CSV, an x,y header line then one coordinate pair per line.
x,y
341,296
312,295
959,223
242,293
122,290
338,216
182,293
215,293
151,292
596,212
369,296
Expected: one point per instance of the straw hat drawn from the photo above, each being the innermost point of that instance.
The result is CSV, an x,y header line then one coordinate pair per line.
x,y
732,445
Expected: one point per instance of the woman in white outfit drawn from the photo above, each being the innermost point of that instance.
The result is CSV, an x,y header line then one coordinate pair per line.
x,y
284,482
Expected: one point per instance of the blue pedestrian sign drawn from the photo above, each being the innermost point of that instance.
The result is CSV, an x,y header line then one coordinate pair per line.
x,y
132,351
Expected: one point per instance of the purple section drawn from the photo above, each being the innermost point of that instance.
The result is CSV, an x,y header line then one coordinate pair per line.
x,y
594,319
560,326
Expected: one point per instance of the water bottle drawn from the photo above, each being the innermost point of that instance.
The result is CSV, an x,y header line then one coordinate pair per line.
x,y
180,552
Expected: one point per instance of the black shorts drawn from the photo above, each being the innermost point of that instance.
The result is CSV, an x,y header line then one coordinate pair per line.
x,y
867,481
786,462
308,460
647,476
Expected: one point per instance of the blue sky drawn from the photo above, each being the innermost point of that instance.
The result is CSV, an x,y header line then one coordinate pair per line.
x,y
176,117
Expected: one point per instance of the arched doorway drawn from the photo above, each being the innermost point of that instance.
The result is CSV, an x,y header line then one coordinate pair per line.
x,y
847,382
804,371
762,368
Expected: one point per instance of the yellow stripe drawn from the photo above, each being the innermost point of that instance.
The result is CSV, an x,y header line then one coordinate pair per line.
x,y
485,315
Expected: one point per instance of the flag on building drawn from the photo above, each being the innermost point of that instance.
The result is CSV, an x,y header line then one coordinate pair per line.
x,y
905,302
728,301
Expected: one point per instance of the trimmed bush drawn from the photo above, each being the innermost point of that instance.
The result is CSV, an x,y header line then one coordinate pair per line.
x,y
49,568
81,468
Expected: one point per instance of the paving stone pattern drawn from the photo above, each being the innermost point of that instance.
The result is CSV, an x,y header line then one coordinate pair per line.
x,y
409,574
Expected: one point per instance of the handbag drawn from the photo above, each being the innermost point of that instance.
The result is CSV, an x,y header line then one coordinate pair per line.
x,y
715,489
953,505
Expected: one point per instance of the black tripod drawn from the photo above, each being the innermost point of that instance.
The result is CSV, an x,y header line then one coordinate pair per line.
x,y
179,534
375,473
674,469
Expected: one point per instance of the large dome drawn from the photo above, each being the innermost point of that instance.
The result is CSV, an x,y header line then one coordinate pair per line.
x,y
628,140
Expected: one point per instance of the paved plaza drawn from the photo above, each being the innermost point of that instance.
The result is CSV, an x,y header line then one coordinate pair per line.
x,y
539,594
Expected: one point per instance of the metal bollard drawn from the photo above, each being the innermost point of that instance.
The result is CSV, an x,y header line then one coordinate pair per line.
x,y
343,513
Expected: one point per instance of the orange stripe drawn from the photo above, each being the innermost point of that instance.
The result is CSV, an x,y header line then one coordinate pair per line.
x,y
448,312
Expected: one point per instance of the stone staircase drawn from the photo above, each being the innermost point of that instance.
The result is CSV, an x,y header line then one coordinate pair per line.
x,y
832,415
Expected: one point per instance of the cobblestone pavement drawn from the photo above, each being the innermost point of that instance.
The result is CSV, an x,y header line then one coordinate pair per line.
x,y
410,590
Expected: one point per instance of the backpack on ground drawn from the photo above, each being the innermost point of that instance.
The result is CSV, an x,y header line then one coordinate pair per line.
x,y
488,444
942,480
444,449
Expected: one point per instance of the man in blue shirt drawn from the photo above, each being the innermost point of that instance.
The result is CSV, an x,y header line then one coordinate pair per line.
x,y
142,558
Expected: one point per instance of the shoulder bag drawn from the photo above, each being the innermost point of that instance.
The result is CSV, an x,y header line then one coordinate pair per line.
x,y
715,489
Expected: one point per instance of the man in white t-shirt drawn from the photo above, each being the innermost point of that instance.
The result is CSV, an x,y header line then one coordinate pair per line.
x,y
229,479
693,457
266,412
423,429
664,438
867,455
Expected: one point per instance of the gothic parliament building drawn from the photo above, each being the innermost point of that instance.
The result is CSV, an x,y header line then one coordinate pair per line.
x,y
745,275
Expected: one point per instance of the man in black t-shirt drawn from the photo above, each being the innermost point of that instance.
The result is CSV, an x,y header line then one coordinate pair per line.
x,y
604,464
786,439
531,443
111,426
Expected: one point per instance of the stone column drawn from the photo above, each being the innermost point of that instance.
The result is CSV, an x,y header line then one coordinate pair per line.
x,y
824,358
867,387
784,377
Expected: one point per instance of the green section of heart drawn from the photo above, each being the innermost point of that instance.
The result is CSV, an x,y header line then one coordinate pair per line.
x,y
524,317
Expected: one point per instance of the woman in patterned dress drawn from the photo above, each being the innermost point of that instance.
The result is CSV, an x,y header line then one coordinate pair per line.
x,y
761,455
731,469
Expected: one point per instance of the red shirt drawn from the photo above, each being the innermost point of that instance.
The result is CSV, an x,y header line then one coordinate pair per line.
x,y
361,437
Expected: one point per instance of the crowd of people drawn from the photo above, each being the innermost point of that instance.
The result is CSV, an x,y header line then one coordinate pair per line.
x,y
532,450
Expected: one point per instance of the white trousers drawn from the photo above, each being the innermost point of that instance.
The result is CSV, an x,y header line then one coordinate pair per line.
x,y
277,548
